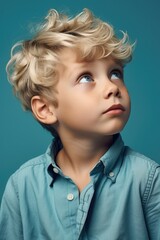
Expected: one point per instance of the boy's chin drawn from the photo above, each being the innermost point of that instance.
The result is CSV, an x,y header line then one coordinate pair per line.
x,y
115,130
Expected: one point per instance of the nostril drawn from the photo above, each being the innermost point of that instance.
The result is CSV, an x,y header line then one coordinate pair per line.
x,y
110,94
115,92
118,94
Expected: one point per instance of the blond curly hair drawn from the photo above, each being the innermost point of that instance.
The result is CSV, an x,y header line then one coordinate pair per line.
x,y
32,67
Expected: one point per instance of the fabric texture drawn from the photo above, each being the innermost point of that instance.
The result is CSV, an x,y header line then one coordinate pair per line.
x,y
121,202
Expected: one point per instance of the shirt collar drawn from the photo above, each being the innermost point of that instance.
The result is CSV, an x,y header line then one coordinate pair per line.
x,y
51,154
111,160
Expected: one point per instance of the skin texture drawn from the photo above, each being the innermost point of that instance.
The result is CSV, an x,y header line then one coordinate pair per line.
x,y
93,105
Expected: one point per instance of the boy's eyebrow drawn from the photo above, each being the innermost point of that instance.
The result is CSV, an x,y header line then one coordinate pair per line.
x,y
120,63
80,67
77,69
86,67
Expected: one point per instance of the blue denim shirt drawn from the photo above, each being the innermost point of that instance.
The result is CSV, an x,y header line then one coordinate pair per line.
x,y
122,201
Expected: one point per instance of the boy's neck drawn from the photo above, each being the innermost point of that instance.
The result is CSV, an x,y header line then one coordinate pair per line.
x,y
79,156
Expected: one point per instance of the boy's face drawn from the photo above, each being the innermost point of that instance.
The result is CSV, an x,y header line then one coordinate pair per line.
x,y
92,97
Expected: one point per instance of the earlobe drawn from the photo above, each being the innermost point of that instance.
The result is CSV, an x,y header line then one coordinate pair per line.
x,y
43,110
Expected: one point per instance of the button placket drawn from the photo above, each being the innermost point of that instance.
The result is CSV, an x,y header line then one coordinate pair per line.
x,y
85,201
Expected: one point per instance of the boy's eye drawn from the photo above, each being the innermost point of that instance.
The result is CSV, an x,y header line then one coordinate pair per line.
x,y
86,79
117,74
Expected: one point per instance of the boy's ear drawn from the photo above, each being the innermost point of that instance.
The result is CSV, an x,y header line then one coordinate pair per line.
x,y
43,110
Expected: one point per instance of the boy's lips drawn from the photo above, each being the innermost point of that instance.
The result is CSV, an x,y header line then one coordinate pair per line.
x,y
115,107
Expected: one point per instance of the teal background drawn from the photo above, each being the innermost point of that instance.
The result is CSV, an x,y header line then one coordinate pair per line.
x,y
21,136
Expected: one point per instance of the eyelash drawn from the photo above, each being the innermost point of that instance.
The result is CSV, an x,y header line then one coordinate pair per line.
x,y
85,75
117,72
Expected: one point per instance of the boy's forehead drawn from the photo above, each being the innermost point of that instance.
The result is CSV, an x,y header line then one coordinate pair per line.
x,y
69,58
69,55
70,65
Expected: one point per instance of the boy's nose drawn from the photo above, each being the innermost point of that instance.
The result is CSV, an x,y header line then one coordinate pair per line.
x,y
111,90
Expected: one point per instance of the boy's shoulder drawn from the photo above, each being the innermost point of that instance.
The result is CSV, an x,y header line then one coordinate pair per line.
x,y
138,158
34,165
30,175
142,172
31,163
138,165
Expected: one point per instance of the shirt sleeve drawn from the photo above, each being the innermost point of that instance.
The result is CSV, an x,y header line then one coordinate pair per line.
x,y
10,219
153,207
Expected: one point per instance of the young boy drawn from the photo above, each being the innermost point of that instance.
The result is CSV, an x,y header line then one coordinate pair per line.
x,y
88,185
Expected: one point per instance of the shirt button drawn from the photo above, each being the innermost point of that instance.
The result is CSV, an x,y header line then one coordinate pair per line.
x,y
111,174
55,170
70,197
